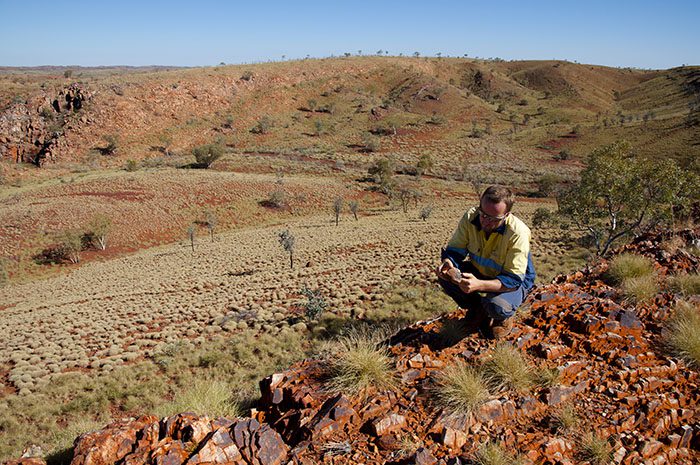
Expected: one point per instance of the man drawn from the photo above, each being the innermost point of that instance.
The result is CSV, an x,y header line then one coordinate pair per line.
x,y
487,266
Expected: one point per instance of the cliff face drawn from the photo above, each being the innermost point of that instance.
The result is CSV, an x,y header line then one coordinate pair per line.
x,y
612,371
32,132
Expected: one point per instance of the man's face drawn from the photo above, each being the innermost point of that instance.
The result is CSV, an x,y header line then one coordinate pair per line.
x,y
492,215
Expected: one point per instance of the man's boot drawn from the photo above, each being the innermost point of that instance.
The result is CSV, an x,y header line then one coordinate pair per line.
x,y
501,328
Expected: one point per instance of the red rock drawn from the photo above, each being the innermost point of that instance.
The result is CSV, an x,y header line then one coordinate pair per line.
x,y
111,444
686,436
649,448
388,424
218,448
26,461
424,457
453,438
490,411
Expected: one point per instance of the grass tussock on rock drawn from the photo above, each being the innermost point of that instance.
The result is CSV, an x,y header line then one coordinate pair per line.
x,y
685,284
626,266
509,369
209,397
682,333
460,389
493,453
360,363
595,449
635,276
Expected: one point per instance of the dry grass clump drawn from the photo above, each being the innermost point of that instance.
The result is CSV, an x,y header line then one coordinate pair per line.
x,y
493,453
682,333
359,364
460,389
595,449
565,420
204,397
641,288
686,284
627,265
509,369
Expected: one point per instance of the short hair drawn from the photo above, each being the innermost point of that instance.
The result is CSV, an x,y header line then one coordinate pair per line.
x,y
497,194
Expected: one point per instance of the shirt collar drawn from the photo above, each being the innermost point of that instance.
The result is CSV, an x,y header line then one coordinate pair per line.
x,y
477,222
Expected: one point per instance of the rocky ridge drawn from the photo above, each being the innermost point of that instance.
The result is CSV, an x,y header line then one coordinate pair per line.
x,y
607,353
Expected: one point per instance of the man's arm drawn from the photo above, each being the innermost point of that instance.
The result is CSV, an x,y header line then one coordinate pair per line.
x,y
470,283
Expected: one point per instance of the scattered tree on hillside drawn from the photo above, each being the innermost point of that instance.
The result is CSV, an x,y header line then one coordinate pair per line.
x,y
112,144
70,244
424,164
4,271
207,154
191,231
354,206
371,143
337,209
287,241
211,221
263,125
618,195
278,196
382,171
98,228
426,212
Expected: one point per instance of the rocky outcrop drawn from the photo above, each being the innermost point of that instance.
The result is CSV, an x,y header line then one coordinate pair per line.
x,y
32,132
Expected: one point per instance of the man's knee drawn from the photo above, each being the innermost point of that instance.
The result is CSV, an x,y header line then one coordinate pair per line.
x,y
499,307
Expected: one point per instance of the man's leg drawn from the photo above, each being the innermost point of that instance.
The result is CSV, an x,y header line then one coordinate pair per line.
x,y
500,307
465,301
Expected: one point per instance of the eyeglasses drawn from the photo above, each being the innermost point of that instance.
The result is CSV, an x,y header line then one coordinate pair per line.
x,y
488,217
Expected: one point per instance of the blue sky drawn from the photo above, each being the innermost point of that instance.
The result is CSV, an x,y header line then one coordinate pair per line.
x,y
645,34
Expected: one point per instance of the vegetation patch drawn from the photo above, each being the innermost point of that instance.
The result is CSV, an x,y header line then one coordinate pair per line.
x,y
682,333
460,389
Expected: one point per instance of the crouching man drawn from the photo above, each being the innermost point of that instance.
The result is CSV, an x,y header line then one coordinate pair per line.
x,y
487,266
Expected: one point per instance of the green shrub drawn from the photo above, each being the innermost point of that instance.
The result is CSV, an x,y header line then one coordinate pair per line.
x,y
263,125
207,154
627,265
131,165
315,303
360,363
70,244
98,229
542,217
547,184
426,212
682,333
460,389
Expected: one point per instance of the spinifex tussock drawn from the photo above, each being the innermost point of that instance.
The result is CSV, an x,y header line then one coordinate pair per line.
x,y
460,389
361,363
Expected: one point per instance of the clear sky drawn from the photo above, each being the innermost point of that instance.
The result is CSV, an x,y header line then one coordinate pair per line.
x,y
641,33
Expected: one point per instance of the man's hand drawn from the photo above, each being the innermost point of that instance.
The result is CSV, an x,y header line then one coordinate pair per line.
x,y
470,283
448,272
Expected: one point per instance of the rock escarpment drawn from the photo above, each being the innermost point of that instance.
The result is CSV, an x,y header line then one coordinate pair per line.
x,y
611,370
32,132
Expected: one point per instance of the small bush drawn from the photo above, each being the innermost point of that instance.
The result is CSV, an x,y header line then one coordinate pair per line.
x,y
595,449
686,284
426,212
207,154
315,303
682,333
461,389
425,163
354,206
204,397
628,265
263,126
542,217
641,288
70,244
4,271
547,184
371,143
112,145
287,241
98,229
131,165
247,75
510,369
360,364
